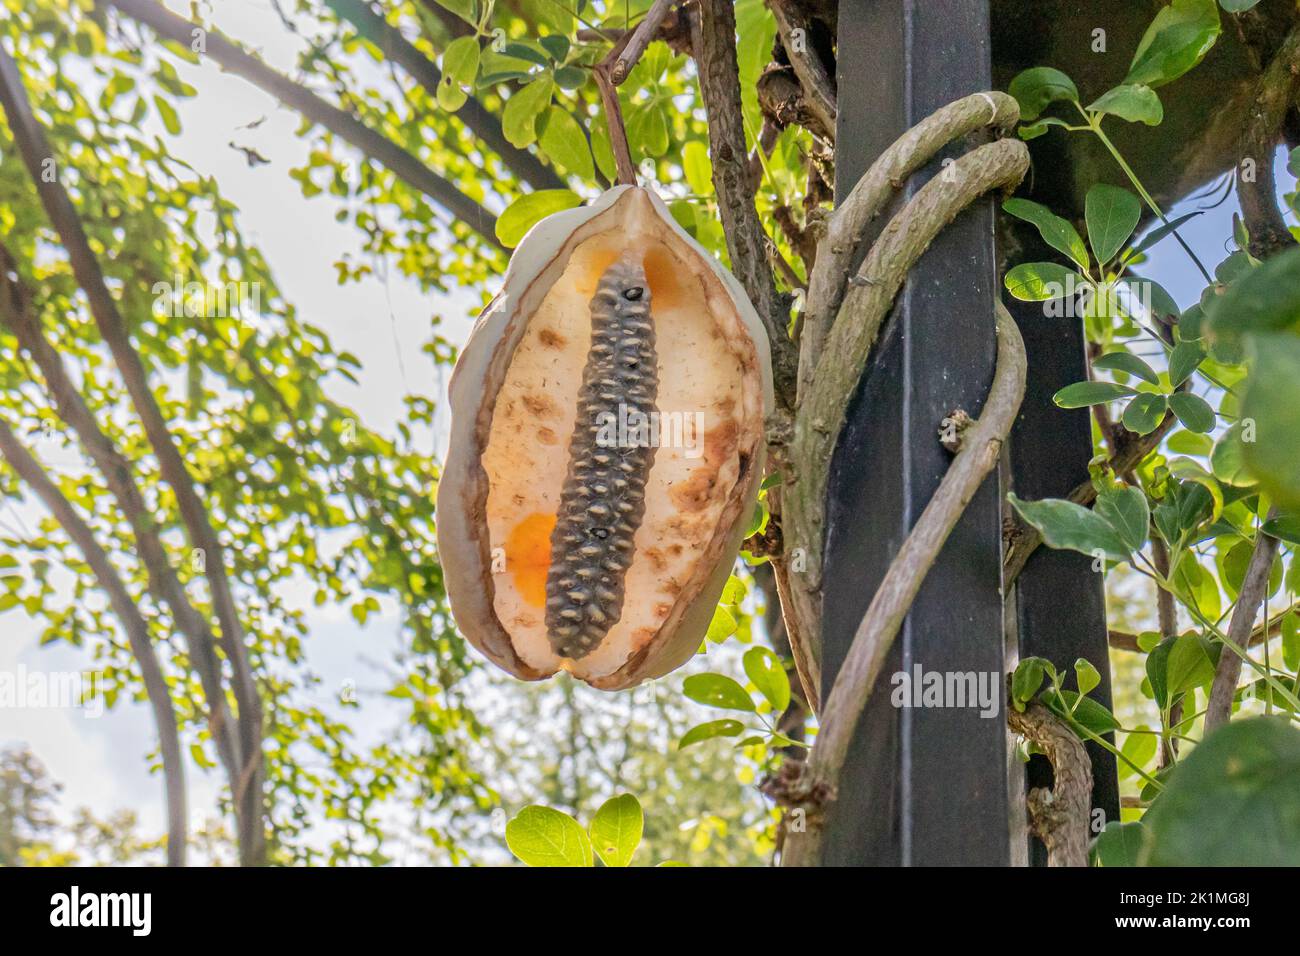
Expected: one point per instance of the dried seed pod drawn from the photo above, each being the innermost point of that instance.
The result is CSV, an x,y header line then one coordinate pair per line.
x,y
606,447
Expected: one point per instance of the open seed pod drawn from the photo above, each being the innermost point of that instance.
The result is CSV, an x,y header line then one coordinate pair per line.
x,y
606,447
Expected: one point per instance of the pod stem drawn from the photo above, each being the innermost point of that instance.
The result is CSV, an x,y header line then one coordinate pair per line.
x,y
611,72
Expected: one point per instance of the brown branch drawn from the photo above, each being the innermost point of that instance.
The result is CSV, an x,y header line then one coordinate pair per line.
x,y
838,249
818,89
862,312
1254,588
713,38
1275,93
645,31
373,144
476,117
17,315
1130,449
1124,641
979,453
1059,816
137,633
618,144
35,150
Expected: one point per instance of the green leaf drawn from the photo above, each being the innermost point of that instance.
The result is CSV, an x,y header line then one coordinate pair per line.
x,y
526,211
1127,362
1082,394
563,142
1266,299
1136,104
1193,411
764,670
1027,678
1164,229
647,130
1139,748
1056,232
1237,6
1157,668
1177,39
459,68
1038,87
1285,527
697,167
717,690
1086,675
616,830
1086,711
707,731
1144,413
1290,627
1127,511
167,113
519,119
1228,460
540,836
1272,403
1233,801
1064,524
1039,281
1111,214
1185,359
721,626
1120,844
1189,665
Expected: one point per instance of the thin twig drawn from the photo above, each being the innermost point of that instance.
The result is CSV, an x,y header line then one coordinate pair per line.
x,y
342,124
1254,588
482,123
980,449
640,39
618,143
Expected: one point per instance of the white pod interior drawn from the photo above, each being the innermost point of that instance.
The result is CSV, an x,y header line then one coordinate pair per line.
x,y
514,405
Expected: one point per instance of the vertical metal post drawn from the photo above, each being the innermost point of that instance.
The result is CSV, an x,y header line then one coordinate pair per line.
x,y
922,785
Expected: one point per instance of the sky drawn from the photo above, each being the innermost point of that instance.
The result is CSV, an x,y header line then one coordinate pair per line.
x,y
100,760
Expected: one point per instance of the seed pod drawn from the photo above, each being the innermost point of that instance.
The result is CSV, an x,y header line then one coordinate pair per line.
x,y
606,448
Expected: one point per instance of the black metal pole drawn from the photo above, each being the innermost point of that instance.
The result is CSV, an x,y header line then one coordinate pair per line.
x,y
923,785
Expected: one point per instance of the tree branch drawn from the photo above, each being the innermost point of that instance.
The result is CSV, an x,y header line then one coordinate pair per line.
x,y
1124,641
837,251
713,38
645,32
16,313
1254,588
342,124
1275,93
1059,816
871,294
980,449
476,117
137,634
1167,614
818,87
35,150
